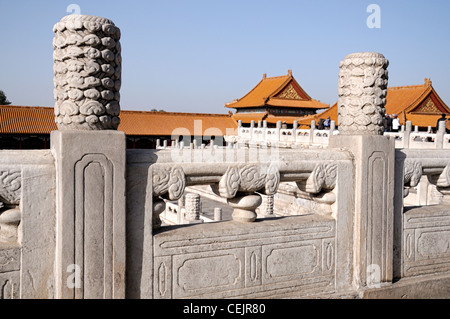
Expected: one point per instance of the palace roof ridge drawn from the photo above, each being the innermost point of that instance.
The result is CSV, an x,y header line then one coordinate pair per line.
x,y
266,91
287,76
427,83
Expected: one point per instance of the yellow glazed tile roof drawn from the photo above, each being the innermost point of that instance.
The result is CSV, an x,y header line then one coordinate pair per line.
x,y
269,92
41,120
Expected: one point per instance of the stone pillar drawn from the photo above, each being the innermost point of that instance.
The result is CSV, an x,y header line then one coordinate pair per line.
x,y
217,214
87,73
181,204
192,208
312,132
362,90
332,127
266,207
90,160
439,141
362,85
407,134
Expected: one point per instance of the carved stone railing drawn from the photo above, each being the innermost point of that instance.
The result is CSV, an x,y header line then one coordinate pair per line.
x,y
261,135
237,175
240,177
421,233
27,232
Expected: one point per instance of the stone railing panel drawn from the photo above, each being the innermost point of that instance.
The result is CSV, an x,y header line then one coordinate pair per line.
x,y
243,260
27,224
237,181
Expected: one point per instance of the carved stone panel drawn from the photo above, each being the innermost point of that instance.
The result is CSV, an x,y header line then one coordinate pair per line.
x,y
229,259
10,285
426,240
377,223
162,278
9,259
291,261
212,271
93,225
90,213
253,259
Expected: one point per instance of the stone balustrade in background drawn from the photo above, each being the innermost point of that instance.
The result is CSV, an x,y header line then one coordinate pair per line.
x,y
313,137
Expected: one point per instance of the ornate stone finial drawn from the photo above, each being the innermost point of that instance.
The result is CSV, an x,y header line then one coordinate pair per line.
x,y
87,73
290,72
362,89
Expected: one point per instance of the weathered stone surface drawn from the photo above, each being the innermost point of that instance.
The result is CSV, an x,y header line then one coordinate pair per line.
x,y
10,285
426,240
87,69
374,201
27,262
362,88
90,192
254,260
10,185
192,207
421,287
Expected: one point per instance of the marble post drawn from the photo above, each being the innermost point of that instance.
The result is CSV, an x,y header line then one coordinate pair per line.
x,y
192,208
90,160
362,96
87,73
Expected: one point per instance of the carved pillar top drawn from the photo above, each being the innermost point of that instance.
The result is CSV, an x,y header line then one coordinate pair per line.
x,y
362,88
87,73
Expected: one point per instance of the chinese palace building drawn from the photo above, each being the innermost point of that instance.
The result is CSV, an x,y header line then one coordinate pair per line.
x,y
273,99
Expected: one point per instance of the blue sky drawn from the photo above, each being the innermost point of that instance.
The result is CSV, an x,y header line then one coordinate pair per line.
x,y
196,55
